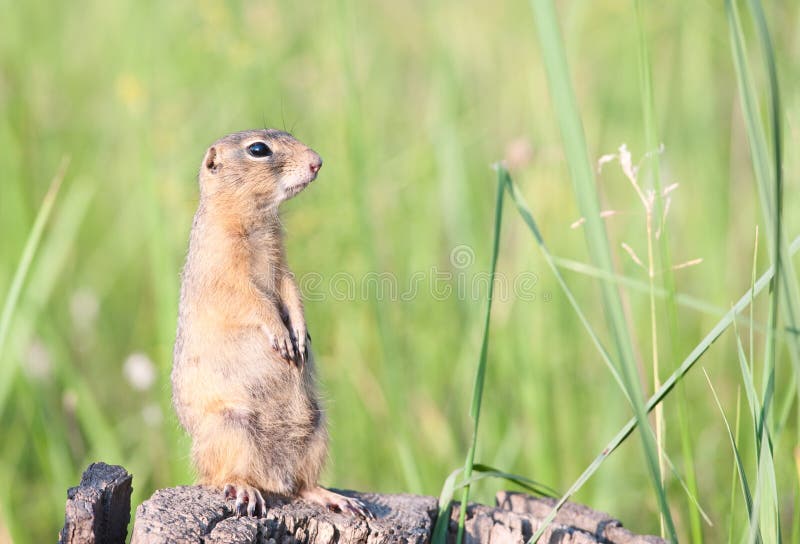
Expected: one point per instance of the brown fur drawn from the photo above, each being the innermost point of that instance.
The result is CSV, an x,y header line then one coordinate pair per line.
x,y
254,417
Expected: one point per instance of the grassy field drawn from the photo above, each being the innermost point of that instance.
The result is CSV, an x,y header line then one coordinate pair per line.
x,y
109,106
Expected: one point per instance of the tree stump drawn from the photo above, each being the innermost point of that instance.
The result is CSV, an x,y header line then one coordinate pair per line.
x,y
197,514
191,514
99,508
200,514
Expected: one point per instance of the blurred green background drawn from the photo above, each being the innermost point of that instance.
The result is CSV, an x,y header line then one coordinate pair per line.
x,y
409,103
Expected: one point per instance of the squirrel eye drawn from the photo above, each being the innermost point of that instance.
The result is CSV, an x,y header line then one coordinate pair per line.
x,y
259,150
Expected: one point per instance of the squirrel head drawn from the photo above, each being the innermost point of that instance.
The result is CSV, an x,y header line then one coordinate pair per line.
x,y
260,167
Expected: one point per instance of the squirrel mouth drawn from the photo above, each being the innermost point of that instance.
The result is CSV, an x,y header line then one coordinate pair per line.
x,y
292,190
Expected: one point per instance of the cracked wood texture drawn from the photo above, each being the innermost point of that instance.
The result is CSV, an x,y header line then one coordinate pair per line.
x,y
99,508
197,514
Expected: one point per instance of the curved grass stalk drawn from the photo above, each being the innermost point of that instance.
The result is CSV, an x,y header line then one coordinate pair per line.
x,y
477,393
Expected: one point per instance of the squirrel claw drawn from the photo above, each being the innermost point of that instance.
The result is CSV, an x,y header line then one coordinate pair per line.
x,y
300,344
337,503
282,344
356,507
249,501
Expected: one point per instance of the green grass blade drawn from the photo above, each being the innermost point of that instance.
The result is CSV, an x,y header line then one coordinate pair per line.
x,y
777,132
753,273
687,364
439,535
668,278
532,486
765,529
755,132
477,393
31,244
747,377
734,470
485,472
566,109
769,510
748,497
769,520
768,169
777,191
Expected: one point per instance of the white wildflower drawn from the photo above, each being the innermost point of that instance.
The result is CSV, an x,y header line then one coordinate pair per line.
x,y
140,371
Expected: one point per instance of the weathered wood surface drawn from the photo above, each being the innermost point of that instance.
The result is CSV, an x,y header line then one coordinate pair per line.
x,y
99,508
98,511
574,523
196,514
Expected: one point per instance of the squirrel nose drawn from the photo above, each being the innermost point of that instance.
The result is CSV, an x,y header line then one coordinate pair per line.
x,y
315,166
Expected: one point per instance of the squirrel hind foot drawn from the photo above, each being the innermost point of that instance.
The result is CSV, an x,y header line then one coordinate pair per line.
x,y
336,502
249,500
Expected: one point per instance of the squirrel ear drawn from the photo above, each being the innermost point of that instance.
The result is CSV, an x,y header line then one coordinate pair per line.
x,y
211,161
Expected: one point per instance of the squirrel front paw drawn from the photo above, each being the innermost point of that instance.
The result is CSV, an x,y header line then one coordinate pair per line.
x,y
301,340
249,500
336,502
281,341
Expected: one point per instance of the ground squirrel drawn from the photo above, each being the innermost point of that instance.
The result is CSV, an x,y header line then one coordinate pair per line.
x,y
243,374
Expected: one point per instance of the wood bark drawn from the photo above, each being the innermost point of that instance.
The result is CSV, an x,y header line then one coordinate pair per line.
x,y
99,508
98,512
196,514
